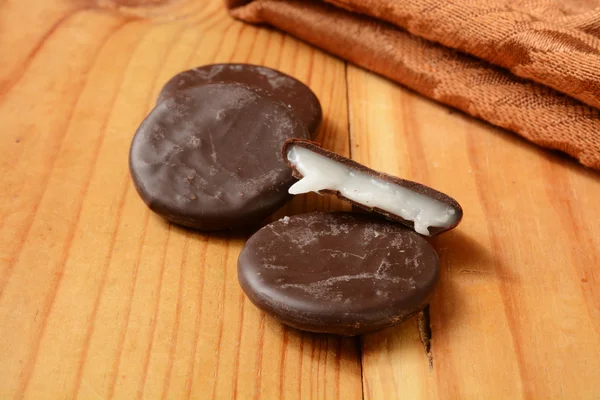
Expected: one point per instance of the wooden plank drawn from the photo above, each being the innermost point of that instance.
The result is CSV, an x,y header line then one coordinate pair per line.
x,y
99,298
516,314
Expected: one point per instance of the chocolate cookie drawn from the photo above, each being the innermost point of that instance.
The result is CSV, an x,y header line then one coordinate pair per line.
x,y
336,272
210,157
284,88
420,207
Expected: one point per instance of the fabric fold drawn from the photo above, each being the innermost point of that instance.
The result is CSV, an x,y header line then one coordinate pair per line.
x,y
538,40
512,81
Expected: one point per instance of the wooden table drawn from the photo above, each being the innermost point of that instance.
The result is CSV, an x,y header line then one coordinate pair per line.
x,y
99,298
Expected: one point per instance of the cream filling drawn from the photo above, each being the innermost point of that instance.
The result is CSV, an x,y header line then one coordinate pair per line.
x,y
320,173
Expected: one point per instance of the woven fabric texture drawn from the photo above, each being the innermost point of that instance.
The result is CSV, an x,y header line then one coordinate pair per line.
x,y
529,66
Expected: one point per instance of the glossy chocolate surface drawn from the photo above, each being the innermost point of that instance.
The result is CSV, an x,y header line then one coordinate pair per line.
x,y
299,97
210,157
337,272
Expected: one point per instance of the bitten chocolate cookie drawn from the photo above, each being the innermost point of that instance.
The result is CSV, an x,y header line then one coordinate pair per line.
x,y
210,157
337,272
417,206
295,94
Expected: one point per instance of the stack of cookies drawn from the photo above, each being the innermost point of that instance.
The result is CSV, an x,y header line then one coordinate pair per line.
x,y
227,145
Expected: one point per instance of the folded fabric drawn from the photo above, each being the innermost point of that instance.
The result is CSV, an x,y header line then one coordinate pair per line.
x,y
532,67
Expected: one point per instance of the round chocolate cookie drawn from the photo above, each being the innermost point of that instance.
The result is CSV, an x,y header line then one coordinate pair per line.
x,y
210,157
282,87
337,272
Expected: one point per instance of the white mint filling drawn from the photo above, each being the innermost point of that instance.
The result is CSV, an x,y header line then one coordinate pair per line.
x,y
320,173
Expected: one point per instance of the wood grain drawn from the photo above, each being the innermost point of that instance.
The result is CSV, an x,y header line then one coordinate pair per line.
x,y
516,314
100,298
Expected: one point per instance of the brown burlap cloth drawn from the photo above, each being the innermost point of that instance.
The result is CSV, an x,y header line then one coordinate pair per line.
x,y
530,66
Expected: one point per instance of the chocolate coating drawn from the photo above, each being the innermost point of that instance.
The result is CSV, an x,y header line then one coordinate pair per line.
x,y
338,272
284,88
414,186
210,157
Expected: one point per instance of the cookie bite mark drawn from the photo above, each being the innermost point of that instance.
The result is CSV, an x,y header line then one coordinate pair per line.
x,y
420,207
